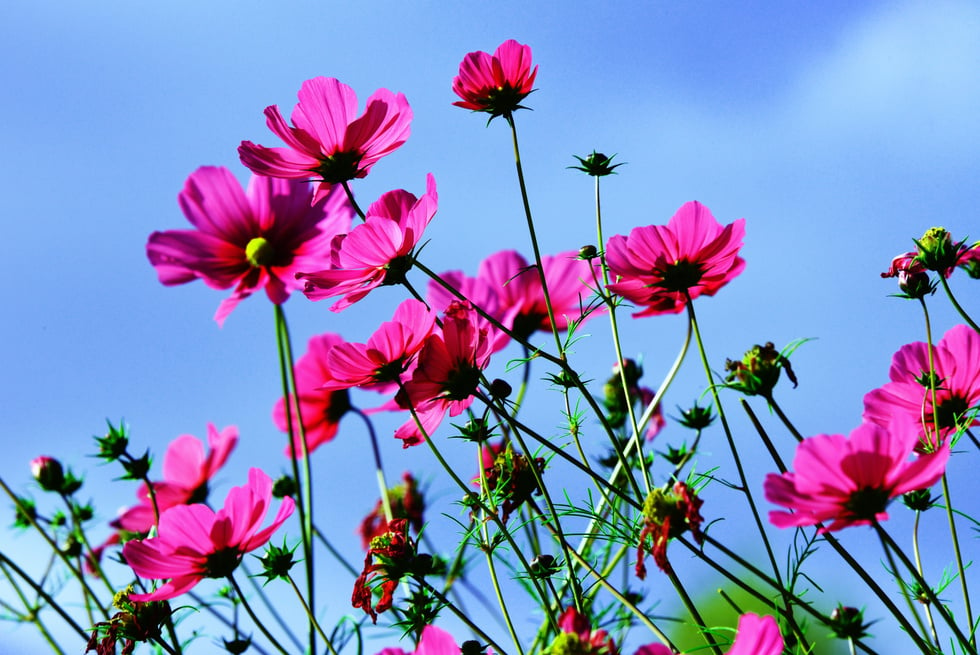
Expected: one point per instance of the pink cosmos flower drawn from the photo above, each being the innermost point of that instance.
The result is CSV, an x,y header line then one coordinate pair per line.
x,y
320,408
657,264
187,470
326,141
377,252
509,289
447,374
908,400
850,480
249,240
495,83
434,641
195,542
757,635
388,354
576,628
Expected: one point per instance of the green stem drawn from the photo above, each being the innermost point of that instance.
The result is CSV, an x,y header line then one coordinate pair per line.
x,y
693,610
378,468
255,619
961,569
39,590
487,639
918,565
905,594
353,203
309,614
956,305
785,419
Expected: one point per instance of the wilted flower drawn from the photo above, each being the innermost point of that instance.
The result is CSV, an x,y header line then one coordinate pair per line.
x,y
758,371
668,512
389,559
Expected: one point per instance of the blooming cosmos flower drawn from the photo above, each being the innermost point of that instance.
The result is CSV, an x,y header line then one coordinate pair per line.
x,y
577,636
388,354
250,240
320,408
195,542
757,635
693,254
447,374
326,141
512,289
377,252
908,399
187,470
495,83
850,480
434,641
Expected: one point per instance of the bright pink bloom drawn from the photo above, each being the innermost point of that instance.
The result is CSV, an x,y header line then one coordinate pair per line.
x,y
657,264
588,641
447,375
377,252
320,408
509,289
250,240
195,542
187,470
434,641
908,400
850,480
757,635
495,83
388,354
327,142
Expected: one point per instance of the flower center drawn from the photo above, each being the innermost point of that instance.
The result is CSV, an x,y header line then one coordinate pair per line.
x,y
949,411
680,276
527,324
395,270
338,406
221,563
462,381
867,503
259,252
339,167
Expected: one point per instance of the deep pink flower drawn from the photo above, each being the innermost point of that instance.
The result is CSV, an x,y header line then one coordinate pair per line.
x,y
495,83
509,289
657,264
377,252
388,354
908,400
434,641
250,240
447,374
187,470
576,628
757,635
850,480
327,142
320,408
195,542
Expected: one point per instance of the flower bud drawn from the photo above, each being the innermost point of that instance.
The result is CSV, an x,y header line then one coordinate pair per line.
x,y
500,389
938,252
48,472
696,418
596,164
758,371
848,622
284,486
919,500
544,566
588,253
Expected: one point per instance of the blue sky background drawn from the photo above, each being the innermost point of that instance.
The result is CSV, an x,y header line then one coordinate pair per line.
x,y
839,130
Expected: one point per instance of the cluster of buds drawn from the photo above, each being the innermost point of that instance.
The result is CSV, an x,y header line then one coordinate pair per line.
x,y
136,622
511,478
391,557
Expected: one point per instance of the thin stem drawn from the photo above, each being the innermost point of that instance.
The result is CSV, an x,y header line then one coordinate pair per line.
x,y
309,614
902,586
378,467
785,419
353,202
276,616
304,498
956,305
918,565
693,610
39,590
255,619
201,602
961,569
462,616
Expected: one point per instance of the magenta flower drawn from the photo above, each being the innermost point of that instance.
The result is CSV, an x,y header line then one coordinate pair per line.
x,y
658,266
495,83
850,480
326,141
377,252
250,240
509,289
320,408
388,354
195,542
577,636
447,374
187,470
757,635
908,400
434,641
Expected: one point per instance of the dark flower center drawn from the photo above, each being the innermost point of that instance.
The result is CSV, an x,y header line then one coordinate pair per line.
x,y
680,276
221,563
339,167
390,371
199,495
395,270
527,324
867,503
501,100
462,381
338,406
949,411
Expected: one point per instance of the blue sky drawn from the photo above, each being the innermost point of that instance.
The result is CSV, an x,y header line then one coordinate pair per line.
x,y
838,130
